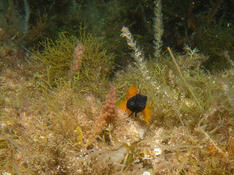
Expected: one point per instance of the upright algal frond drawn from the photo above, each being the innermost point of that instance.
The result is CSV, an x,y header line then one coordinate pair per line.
x,y
139,57
158,28
77,58
27,16
137,53
108,114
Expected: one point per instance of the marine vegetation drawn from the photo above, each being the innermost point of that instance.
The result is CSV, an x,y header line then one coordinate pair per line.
x,y
84,61
68,108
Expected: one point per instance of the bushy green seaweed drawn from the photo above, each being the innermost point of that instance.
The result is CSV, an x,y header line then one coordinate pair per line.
x,y
55,60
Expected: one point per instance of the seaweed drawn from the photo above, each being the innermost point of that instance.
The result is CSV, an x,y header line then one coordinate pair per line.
x,y
59,58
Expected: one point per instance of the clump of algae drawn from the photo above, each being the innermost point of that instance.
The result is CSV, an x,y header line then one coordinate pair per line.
x,y
57,59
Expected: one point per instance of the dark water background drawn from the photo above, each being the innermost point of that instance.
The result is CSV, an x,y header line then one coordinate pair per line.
x,y
206,25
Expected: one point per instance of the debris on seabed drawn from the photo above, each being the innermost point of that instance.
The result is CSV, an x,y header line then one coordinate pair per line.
x,y
5,173
146,173
157,151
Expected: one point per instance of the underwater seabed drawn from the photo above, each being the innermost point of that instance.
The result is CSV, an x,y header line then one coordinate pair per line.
x,y
60,114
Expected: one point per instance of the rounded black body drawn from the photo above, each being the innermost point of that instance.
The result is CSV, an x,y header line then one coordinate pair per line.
x,y
136,103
